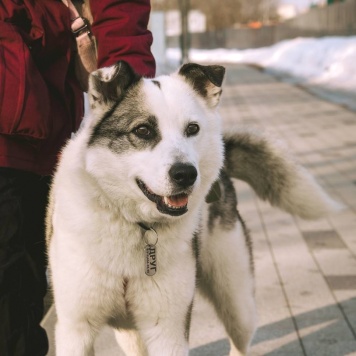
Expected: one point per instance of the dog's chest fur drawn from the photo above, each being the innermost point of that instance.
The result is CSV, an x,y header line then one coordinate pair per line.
x,y
105,256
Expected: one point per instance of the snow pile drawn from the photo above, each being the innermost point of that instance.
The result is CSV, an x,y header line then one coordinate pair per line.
x,y
328,61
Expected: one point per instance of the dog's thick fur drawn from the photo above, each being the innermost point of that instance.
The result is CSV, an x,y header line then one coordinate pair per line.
x,y
147,157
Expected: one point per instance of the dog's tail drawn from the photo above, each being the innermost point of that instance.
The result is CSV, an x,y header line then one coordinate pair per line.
x,y
274,175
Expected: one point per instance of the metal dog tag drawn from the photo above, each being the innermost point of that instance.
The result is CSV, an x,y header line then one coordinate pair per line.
x,y
150,260
151,238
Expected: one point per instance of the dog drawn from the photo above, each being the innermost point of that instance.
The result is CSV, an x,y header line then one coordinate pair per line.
x,y
143,212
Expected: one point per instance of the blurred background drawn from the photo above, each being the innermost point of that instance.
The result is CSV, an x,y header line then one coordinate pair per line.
x,y
306,42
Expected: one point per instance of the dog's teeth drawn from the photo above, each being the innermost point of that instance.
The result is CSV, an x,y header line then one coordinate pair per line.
x,y
176,201
167,203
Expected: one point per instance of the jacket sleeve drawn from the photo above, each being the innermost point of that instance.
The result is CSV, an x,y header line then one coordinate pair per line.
x,y
120,28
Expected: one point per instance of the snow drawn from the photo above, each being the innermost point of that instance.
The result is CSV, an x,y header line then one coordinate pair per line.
x,y
328,62
302,5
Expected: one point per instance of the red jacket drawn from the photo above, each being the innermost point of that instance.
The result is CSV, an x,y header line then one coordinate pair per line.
x,y
40,101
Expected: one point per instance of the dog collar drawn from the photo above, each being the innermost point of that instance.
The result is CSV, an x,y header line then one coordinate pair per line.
x,y
150,249
144,226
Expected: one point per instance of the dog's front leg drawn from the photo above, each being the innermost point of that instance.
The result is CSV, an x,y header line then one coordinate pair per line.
x,y
74,338
155,341
163,315
167,338
226,279
131,342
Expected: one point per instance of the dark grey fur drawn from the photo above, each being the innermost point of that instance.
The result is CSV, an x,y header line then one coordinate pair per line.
x,y
248,241
196,245
200,76
157,83
224,210
249,157
121,93
110,91
188,319
116,129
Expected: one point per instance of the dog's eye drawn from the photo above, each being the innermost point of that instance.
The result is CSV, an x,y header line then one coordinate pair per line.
x,y
192,130
143,131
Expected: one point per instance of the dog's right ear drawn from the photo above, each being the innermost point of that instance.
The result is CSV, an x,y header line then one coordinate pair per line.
x,y
205,80
108,85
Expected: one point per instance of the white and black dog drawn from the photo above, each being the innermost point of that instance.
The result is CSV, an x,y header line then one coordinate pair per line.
x,y
132,229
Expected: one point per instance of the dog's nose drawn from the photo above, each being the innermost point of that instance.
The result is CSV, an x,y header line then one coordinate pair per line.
x,y
183,174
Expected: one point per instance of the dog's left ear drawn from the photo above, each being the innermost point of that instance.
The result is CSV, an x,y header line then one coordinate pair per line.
x,y
205,80
108,85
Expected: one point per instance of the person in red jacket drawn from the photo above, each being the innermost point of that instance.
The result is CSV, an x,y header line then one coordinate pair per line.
x,y
41,104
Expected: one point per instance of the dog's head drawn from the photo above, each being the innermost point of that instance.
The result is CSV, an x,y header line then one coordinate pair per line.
x,y
154,145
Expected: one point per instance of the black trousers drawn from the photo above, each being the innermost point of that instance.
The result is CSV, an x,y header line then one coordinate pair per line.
x,y
23,285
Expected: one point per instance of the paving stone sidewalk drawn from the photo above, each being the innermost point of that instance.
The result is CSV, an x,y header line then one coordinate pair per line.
x,y
305,270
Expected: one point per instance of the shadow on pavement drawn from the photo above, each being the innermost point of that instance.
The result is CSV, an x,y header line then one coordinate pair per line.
x,y
322,328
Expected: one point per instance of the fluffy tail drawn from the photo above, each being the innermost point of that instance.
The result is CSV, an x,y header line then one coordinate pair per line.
x,y
274,175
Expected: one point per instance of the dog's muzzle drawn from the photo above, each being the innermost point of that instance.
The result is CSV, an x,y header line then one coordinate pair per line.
x,y
174,205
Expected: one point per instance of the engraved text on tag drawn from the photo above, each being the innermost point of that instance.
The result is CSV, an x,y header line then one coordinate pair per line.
x,y
150,260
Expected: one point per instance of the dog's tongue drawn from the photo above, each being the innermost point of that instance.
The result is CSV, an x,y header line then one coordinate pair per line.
x,y
177,201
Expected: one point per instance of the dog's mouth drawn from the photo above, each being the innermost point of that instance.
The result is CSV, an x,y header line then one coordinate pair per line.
x,y
174,205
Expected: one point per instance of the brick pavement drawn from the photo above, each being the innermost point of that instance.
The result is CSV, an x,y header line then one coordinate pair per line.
x,y
305,271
